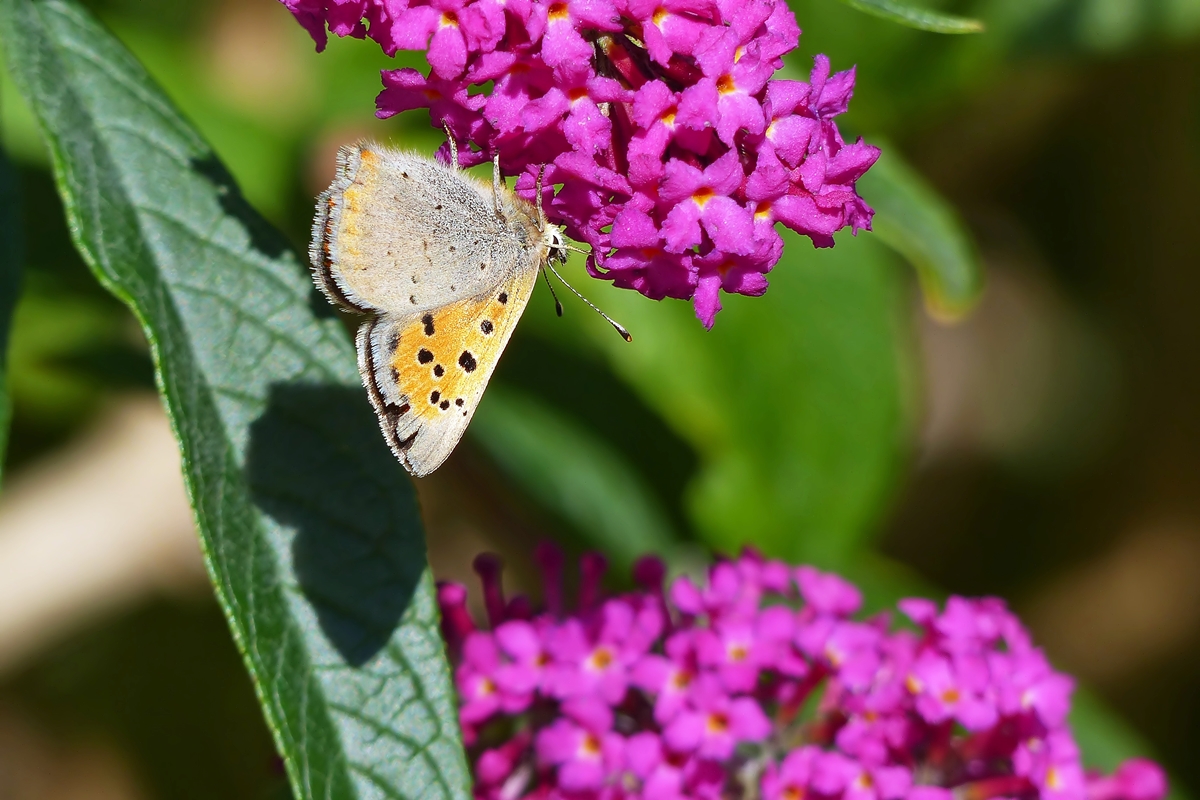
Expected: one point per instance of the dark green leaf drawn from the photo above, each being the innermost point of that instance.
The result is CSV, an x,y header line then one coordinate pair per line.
x,y
10,284
915,220
917,17
310,529
576,476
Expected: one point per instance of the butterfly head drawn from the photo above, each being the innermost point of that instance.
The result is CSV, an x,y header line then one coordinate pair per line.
x,y
556,243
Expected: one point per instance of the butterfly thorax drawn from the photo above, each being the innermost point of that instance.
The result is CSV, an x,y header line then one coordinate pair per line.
x,y
522,219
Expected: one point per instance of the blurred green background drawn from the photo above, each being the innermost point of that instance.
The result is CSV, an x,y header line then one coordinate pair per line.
x,y
1045,449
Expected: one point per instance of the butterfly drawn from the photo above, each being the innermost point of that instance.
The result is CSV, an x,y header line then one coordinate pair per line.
x,y
444,264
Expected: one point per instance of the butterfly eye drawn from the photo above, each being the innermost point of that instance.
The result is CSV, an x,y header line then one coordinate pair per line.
x,y
556,245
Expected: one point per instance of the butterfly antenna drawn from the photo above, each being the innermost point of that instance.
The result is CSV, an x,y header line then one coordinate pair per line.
x,y
618,326
550,286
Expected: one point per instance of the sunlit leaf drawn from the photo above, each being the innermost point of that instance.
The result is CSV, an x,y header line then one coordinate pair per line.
x,y
309,527
922,226
10,281
917,17
576,476
795,401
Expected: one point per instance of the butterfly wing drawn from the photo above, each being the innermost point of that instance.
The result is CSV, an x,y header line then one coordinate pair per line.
x,y
397,232
426,371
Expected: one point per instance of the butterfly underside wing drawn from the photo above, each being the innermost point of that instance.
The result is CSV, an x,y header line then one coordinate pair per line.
x,y
443,269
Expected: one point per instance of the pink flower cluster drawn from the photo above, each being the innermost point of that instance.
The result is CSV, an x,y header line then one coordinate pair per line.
x,y
676,150
760,683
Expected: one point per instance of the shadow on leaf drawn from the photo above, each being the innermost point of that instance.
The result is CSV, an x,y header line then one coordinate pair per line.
x,y
263,238
318,466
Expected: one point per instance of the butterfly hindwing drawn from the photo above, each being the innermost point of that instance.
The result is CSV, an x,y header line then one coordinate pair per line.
x,y
426,371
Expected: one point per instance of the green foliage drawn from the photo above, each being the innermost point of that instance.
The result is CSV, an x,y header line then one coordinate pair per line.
x,y
794,413
919,18
920,225
575,475
796,402
1105,26
10,283
310,529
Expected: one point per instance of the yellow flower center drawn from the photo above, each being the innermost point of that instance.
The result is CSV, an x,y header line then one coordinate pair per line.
x,y
589,747
681,679
717,723
601,658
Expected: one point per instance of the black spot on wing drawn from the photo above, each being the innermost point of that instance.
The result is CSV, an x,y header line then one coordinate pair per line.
x,y
438,370
503,298
427,321
434,397
486,326
424,356
444,405
467,361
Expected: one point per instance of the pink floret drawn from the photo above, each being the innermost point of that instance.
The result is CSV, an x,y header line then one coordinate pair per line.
x,y
664,108
689,691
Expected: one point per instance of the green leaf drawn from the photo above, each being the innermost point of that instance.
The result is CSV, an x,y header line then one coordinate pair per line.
x,y
576,476
309,527
918,223
917,17
1091,26
796,402
10,285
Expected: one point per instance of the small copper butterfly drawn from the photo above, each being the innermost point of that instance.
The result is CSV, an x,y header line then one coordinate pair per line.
x,y
445,265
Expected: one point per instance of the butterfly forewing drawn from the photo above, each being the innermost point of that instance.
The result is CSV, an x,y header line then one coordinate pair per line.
x,y
396,232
